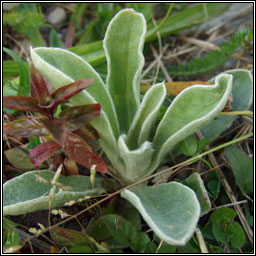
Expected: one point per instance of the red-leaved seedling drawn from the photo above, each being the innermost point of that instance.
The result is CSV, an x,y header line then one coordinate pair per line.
x,y
69,131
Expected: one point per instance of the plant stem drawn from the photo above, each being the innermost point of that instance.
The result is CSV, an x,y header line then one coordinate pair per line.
x,y
234,113
201,241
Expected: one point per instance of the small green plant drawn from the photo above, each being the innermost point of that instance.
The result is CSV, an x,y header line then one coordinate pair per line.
x,y
125,125
26,20
213,59
222,228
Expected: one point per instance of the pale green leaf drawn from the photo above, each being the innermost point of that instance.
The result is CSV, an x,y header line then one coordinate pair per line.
x,y
195,182
171,210
25,193
242,93
135,161
146,116
192,109
123,44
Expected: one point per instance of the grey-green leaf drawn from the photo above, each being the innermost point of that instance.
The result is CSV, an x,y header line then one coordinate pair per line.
x,y
195,182
242,167
192,109
146,116
25,193
171,210
123,45
242,92
135,161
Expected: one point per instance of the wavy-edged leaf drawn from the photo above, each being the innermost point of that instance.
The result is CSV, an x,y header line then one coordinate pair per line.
x,y
38,87
25,193
192,109
56,127
123,45
24,103
78,116
242,93
87,133
43,151
171,210
79,151
55,64
66,92
24,127
146,116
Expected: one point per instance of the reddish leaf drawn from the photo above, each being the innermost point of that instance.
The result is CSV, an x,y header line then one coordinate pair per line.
x,y
87,133
25,127
56,127
38,87
66,92
24,103
42,152
78,116
79,151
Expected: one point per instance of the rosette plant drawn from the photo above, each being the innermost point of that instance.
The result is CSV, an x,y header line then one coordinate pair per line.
x,y
125,124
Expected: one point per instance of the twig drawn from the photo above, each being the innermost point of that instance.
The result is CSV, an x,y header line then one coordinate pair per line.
x,y
229,205
153,63
200,43
181,52
159,246
201,241
165,72
35,241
